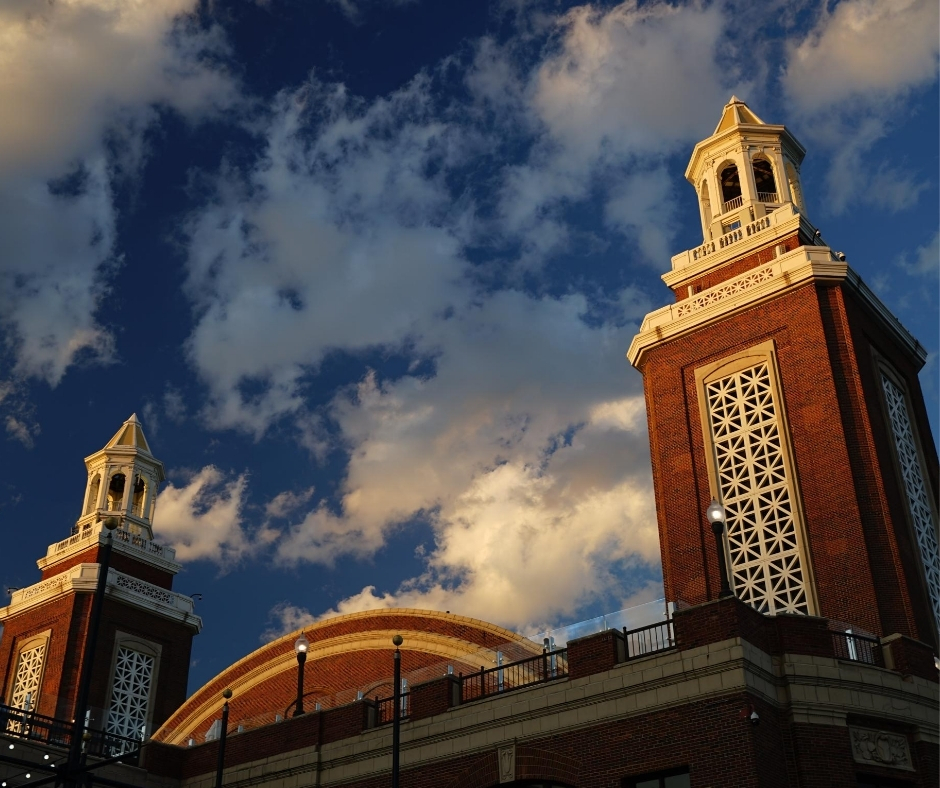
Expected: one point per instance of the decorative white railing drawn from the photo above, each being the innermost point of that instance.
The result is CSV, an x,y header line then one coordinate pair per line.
x,y
726,240
725,290
767,197
733,203
120,535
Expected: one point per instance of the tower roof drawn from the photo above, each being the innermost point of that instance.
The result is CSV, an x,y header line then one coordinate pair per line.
x,y
735,113
131,434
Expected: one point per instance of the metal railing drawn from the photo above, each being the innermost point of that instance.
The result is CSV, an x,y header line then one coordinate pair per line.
x,y
385,708
767,197
547,666
642,642
857,648
734,202
58,733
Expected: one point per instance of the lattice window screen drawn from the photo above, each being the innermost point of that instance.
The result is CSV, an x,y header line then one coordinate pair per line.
x,y
916,488
764,543
130,693
27,678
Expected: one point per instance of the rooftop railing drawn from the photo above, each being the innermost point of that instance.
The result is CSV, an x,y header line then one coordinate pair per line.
x,y
644,641
39,728
857,648
547,666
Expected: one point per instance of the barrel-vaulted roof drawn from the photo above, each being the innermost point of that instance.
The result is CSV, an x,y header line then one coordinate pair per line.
x,y
347,654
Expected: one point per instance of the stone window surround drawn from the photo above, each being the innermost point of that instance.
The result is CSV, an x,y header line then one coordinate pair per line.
x,y
885,369
39,639
143,646
729,365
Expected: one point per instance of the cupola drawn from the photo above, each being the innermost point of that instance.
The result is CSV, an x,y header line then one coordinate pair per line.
x,y
744,170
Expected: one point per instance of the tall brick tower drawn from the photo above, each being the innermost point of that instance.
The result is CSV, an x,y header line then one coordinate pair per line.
x,y
141,665
780,385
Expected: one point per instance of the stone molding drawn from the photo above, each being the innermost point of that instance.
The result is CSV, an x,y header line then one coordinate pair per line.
x,y
803,265
83,578
506,760
134,546
881,748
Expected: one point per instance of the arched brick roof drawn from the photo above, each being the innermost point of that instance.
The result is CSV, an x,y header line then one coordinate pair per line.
x,y
347,654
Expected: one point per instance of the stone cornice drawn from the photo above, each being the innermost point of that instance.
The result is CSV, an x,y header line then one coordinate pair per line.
x,y
755,235
803,265
83,578
131,545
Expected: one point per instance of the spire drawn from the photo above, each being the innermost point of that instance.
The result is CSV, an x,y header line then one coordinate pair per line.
x,y
737,113
131,434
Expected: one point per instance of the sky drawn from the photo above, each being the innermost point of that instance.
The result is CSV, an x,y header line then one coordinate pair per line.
x,y
367,271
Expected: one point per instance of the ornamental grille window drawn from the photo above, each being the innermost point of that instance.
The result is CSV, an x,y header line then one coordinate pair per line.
x,y
763,539
27,678
130,693
916,488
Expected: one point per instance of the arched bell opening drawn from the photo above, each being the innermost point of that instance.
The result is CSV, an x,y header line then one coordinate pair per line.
x,y
764,180
730,181
116,492
139,496
94,489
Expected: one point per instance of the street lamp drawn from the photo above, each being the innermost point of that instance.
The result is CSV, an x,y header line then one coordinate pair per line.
x,y
396,711
301,645
717,516
220,763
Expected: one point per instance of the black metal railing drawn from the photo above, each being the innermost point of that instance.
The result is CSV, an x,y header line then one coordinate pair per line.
x,y
385,708
58,733
858,648
547,666
643,641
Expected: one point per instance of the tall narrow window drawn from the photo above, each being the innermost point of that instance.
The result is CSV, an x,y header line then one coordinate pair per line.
x,y
751,472
130,693
764,180
730,188
28,677
116,493
140,493
915,486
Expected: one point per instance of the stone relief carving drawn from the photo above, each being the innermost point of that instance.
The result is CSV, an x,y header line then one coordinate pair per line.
x,y
506,757
880,748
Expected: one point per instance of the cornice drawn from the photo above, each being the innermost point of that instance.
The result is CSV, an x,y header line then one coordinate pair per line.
x,y
755,235
786,273
83,578
129,544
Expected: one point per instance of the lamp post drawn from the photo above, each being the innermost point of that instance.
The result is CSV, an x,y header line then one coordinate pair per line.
x,y
396,711
91,644
220,762
301,645
717,516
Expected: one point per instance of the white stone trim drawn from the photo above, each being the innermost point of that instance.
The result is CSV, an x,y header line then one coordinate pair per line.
x,y
133,545
83,578
788,272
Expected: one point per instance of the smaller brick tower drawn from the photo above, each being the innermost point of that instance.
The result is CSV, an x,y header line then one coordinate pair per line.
x,y
141,666
780,385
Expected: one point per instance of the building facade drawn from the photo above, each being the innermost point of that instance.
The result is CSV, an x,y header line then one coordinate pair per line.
x,y
778,386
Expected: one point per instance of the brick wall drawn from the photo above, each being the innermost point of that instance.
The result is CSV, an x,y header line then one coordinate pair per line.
x,y
848,564
592,654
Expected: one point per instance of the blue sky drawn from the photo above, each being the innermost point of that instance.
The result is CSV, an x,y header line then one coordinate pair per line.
x,y
367,271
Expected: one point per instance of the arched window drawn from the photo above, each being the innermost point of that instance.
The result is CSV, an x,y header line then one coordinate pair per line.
x,y
116,492
706,204
140,494
793,181
94,488
730,187
764,180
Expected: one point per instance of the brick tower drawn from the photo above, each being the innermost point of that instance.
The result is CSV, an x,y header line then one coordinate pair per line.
x,y
779,384
141,665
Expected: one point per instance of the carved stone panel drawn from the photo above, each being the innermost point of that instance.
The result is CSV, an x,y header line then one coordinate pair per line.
x,y
506,757
880,748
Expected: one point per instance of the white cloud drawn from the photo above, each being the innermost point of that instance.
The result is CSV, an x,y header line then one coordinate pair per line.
x,y
851,78
71,73
925,260
864,51
285,617
204,519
